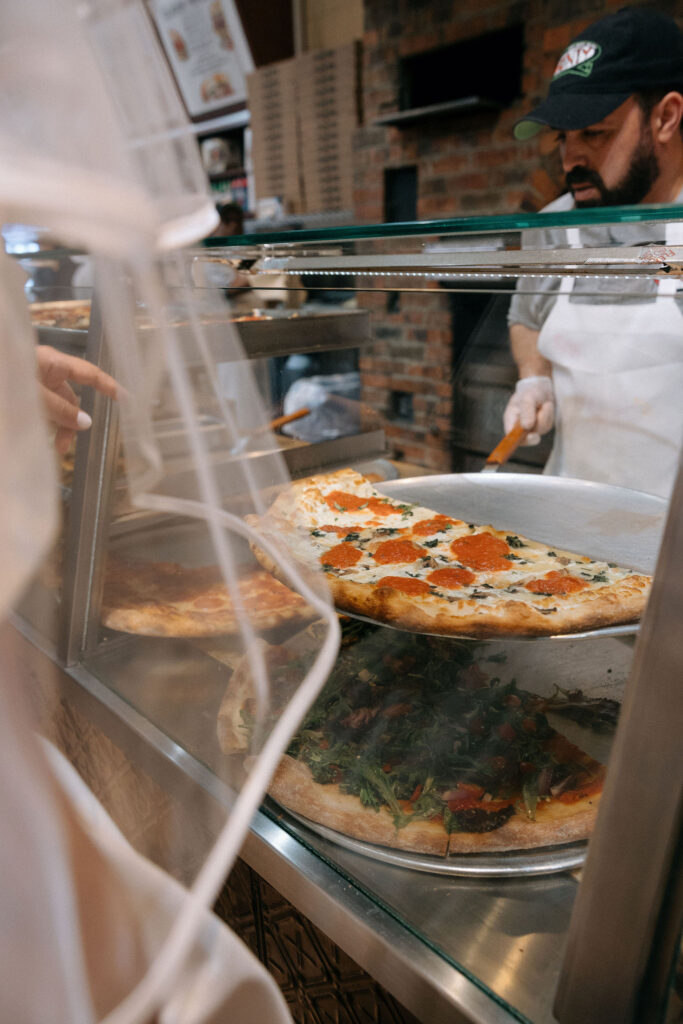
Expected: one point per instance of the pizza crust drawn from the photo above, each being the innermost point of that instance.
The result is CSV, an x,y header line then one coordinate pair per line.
x,y
294,787
499,618
556,823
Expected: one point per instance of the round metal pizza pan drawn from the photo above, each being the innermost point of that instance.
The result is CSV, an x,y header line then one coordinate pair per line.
x,y
602,521
543,861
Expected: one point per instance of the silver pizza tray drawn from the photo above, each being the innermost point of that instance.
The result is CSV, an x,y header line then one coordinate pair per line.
x,y
608,523
542,861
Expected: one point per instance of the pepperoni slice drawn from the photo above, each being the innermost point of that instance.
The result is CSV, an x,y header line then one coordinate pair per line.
x,y
397,552
452,578
342,501
406,584
555,582
341,556
429,526
482,551
381,508
341,531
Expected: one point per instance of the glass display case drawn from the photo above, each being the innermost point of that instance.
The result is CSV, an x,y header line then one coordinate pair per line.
x,y
384,348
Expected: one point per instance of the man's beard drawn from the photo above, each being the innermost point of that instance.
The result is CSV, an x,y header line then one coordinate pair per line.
x,y
633,187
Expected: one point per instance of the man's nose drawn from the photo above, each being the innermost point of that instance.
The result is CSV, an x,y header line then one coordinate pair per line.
x,y
573,153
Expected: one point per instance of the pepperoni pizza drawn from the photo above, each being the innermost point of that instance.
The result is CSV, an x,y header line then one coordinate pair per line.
x,y
408,566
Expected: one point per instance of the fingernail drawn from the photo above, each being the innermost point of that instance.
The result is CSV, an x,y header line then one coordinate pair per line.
x,y
83,421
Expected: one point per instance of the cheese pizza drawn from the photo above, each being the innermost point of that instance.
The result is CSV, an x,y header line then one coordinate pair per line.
x,y
168,599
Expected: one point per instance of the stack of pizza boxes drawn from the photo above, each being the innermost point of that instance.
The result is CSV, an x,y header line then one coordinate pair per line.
x,y
273,98
329,97
303,113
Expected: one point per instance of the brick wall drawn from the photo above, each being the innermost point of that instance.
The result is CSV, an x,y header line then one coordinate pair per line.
x,y
466,165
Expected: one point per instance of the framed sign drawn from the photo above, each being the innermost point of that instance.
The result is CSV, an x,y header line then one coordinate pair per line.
x,y
207,50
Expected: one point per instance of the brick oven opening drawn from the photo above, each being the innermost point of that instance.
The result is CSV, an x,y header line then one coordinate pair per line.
x,y
484,68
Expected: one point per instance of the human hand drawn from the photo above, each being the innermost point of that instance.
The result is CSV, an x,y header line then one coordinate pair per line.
x,y
533,406
55,370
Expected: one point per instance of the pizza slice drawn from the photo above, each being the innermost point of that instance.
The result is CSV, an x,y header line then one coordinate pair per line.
x,y
412,744
168,599
414,568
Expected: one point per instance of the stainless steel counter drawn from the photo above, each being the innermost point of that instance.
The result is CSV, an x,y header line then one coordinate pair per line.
x,y
449,949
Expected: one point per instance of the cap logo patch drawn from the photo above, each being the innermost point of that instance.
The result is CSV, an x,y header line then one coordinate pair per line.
x,y
578,59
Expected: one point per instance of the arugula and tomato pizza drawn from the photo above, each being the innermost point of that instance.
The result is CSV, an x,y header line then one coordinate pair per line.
x,y
415,743
411,567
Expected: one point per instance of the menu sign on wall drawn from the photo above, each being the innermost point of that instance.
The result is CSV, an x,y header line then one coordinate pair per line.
x,y
207,50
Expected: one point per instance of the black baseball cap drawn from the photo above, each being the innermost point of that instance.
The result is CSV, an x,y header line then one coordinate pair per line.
x,y
633,50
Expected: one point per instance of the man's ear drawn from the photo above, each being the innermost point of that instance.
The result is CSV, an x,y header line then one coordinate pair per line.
x,y
666,117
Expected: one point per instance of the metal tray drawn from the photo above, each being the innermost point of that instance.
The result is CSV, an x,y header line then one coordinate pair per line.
x,y
274,335
301,331
612,524
544,861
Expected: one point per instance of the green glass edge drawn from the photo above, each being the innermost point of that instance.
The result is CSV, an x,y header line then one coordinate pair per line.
x,y
460,225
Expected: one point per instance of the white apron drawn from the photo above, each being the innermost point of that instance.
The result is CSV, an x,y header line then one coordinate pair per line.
x,y
618,380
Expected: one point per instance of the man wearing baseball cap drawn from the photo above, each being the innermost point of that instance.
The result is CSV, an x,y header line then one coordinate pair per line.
x,y
605,364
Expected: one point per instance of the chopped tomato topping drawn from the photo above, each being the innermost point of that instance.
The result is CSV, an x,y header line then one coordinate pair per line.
x,y
490,806
555,582
397,710
589,788
428,526
506,731
452,578
406,584
468,794
482,551
395,552
341,556
464,793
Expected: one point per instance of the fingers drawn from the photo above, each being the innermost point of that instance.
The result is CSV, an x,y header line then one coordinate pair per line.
x,y
528,415
63,439
533,404
511,414
64,412
545,417
54,368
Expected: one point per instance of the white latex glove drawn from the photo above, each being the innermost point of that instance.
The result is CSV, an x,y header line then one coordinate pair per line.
x,y
533,404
